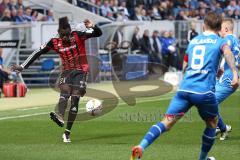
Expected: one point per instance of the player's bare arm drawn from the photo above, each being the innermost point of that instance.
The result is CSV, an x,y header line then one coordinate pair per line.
x,y
221,69
231,62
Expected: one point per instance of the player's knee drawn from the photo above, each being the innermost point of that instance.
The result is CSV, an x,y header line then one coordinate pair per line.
x,y
64,97
212,122
170,120
168,123
74,104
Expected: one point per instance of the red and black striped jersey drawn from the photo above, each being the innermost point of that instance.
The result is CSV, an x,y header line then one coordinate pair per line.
x,y
73,54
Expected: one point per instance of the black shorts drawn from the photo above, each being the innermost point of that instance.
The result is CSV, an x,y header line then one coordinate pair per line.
x,y
75,79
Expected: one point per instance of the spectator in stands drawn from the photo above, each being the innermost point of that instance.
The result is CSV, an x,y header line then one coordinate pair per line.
x,y
148,3
136,40
114,8
229,13
156,47
163,10
236,14
27,16
6,15
50,17
123,8
193,4
174,60
192,32
92,8
232,6
131,4
218,8
155,14
144,15
109,13
110,16
145,43
20,17
34,16
14,15
105,8
4,5
12,4
138,15
20,4
166,55
146,49
202,13
121,16
167,9
181,16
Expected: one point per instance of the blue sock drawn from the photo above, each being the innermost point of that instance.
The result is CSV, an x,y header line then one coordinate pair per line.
x,y
221,124
154,132
208,139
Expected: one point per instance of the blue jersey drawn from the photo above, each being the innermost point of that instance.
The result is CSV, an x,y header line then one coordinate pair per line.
x,y
227,76
204,53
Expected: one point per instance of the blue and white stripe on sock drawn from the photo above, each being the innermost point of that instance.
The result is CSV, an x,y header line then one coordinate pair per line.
x,y
154,132
208,139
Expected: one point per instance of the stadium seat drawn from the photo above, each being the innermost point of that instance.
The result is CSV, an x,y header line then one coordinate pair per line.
x,y
105,66
135,67
48,65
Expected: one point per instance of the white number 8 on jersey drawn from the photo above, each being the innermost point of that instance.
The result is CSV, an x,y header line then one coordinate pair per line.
x,y
198,57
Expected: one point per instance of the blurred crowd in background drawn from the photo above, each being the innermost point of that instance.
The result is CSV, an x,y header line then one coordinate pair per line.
x,y
160,46
15,11
146,10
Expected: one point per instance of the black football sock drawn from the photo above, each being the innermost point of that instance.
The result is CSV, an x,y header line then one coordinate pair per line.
x,y
62,104
67,132
72,112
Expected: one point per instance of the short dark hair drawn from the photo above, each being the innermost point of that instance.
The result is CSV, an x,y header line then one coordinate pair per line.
x,y
213,21
63,23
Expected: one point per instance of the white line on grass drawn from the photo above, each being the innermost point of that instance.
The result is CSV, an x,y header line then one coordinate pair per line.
x,y
23,116
42,113
121,103
25,109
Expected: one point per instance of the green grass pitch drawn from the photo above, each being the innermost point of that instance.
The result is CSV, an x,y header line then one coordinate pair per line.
x,y
111,136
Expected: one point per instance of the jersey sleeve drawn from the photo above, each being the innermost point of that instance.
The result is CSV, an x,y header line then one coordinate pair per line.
x,y
91,32
37,53
188,49
224,43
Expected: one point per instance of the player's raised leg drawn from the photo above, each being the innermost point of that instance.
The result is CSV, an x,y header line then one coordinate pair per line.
x,y
222,93
58,116
178,106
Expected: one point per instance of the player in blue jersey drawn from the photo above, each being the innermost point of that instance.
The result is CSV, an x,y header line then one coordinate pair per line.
x,y
223,86
197,88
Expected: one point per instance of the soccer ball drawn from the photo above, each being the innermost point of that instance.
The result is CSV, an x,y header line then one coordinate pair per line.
x,y
94,107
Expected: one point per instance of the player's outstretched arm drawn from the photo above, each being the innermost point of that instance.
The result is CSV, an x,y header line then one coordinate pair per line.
x,y
30,59
93,30
231,63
